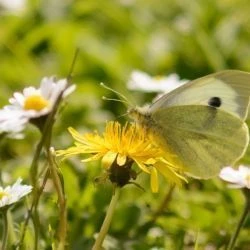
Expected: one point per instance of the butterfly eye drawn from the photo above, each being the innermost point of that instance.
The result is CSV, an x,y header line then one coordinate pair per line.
x,y
214,102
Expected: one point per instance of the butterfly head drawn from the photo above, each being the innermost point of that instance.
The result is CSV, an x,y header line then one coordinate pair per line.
x,y
139,114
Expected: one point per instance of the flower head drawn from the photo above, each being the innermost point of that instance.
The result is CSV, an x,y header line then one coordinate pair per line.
x,y
118,148
37,102
12,194
237,178
143,82
33,104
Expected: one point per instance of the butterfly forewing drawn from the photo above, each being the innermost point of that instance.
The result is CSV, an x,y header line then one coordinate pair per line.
x,y
231,89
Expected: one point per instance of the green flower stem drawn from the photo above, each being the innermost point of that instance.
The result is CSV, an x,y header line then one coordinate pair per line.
x,y
30,211
46,130
57,181
5,229
106,223
35,193
12,233
164,204
62,228
45,140
241,221
34,179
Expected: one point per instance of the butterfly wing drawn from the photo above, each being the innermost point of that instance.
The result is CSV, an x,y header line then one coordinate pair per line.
x,y
201,138
230,87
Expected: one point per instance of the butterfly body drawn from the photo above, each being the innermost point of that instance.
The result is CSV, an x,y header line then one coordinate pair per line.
x,y
201,125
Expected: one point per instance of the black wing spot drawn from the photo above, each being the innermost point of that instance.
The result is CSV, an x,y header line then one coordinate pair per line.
x,y
215,102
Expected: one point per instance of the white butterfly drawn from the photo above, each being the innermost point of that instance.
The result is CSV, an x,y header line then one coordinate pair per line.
x,y
201,125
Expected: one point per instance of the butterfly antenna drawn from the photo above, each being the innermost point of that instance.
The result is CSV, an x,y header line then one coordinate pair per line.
x,y
115,100
123,100
122,115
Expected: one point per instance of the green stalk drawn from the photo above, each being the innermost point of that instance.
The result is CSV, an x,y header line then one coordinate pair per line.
x,y
246,210
106,223
5,229
30,211
12,233
45,141
164,204
62,228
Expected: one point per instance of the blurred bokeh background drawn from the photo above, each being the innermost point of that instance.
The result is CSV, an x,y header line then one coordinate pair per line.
x,y
190,38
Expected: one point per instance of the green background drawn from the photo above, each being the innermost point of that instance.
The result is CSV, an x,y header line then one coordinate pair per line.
x,y
190,38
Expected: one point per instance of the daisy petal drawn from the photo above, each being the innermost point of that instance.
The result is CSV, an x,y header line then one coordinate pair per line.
x,y
237,178
12,194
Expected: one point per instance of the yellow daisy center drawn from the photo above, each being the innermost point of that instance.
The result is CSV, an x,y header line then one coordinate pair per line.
x,y
35,102
158,78
2,194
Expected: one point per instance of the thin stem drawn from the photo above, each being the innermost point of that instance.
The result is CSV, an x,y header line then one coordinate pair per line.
x,y
240,224
45,139
62,228
30,211
35,192
106,223
164,204
12,232
5,229
73,64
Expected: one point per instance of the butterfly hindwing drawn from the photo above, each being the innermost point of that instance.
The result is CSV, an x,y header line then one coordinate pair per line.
x,y
203,139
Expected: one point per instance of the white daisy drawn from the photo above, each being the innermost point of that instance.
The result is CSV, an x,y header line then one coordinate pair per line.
x,y
237,178
12,122
12,194
36,102
143,82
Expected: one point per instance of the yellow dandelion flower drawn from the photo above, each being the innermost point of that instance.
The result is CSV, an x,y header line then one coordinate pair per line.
x,y
118,148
